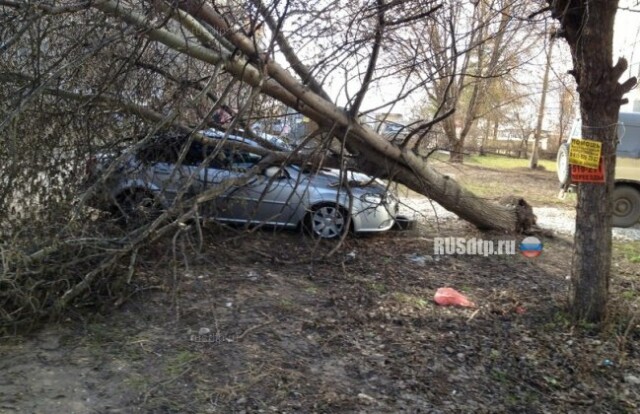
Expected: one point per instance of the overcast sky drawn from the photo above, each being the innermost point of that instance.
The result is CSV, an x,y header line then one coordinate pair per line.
x,y
627,33
626,44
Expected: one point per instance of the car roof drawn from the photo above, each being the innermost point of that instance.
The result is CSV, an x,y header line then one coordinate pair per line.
x,y
272,139
214,133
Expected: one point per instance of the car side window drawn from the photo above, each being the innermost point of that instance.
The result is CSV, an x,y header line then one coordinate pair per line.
x,y
242,160
195,155
167,149
198,153
160,150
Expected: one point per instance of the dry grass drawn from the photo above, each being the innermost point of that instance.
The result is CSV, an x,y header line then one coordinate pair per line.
x,y
496,177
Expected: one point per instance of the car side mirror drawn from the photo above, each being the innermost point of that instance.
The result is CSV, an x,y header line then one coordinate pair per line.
x,y
275,172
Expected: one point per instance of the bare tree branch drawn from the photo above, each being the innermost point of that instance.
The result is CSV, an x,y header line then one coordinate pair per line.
x,y
296,64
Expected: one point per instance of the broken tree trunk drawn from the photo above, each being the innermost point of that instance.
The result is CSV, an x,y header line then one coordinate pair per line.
x,y
413,171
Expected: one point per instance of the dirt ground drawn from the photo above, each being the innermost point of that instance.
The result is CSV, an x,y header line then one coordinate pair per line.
x,y
269,322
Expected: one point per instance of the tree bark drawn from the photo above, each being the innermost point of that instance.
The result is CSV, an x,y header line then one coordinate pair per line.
x,y
485,137
587,25
533,162
456,152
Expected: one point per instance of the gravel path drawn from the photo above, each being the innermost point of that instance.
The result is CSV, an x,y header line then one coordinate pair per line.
x,y
559,220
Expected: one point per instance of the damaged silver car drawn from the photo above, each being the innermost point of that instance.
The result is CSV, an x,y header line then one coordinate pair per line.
x,y
327,202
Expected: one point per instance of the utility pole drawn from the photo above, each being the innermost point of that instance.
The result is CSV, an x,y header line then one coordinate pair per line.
x,y
533,161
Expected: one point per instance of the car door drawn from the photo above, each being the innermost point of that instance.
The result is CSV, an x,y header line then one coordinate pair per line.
x,y
271,197
158,167
206,175
238,203
275,196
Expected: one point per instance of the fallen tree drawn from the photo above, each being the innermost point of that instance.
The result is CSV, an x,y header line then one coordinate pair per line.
x,y
373,153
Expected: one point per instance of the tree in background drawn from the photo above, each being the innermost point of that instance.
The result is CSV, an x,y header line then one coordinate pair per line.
x,y
468,50
566,113
506,99
533,161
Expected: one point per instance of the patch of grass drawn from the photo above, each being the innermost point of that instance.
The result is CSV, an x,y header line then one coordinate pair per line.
x,y
628,294
412,300
630,251
499,376
287,305
312,290
388,260
561,320
494,176
377,287
504,162
179,362
100,335
137,382
511,399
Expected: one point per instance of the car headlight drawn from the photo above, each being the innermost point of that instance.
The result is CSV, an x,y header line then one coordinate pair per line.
x,y
372,198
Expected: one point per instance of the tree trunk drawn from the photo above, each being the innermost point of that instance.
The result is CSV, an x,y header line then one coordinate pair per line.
x,y
517,216
591,42
485,137
456,152
533,162
524,146
456,142
591,263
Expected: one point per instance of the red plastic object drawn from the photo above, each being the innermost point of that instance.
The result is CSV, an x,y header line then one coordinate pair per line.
x,y
451,297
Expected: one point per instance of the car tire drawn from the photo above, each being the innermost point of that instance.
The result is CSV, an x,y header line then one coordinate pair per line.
x,y
562,165
327,221
626,206
136,207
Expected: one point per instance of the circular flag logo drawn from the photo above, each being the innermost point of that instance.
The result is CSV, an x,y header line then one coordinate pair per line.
x,y
531,247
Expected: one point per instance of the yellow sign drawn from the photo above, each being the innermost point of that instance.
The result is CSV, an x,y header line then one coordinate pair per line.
x,y
585,153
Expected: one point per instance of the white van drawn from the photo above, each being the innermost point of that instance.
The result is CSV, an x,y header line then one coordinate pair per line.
x,y
626,194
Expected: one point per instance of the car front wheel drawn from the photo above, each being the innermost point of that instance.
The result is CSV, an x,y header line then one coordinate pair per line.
x,y
136,207
626,206
328,221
